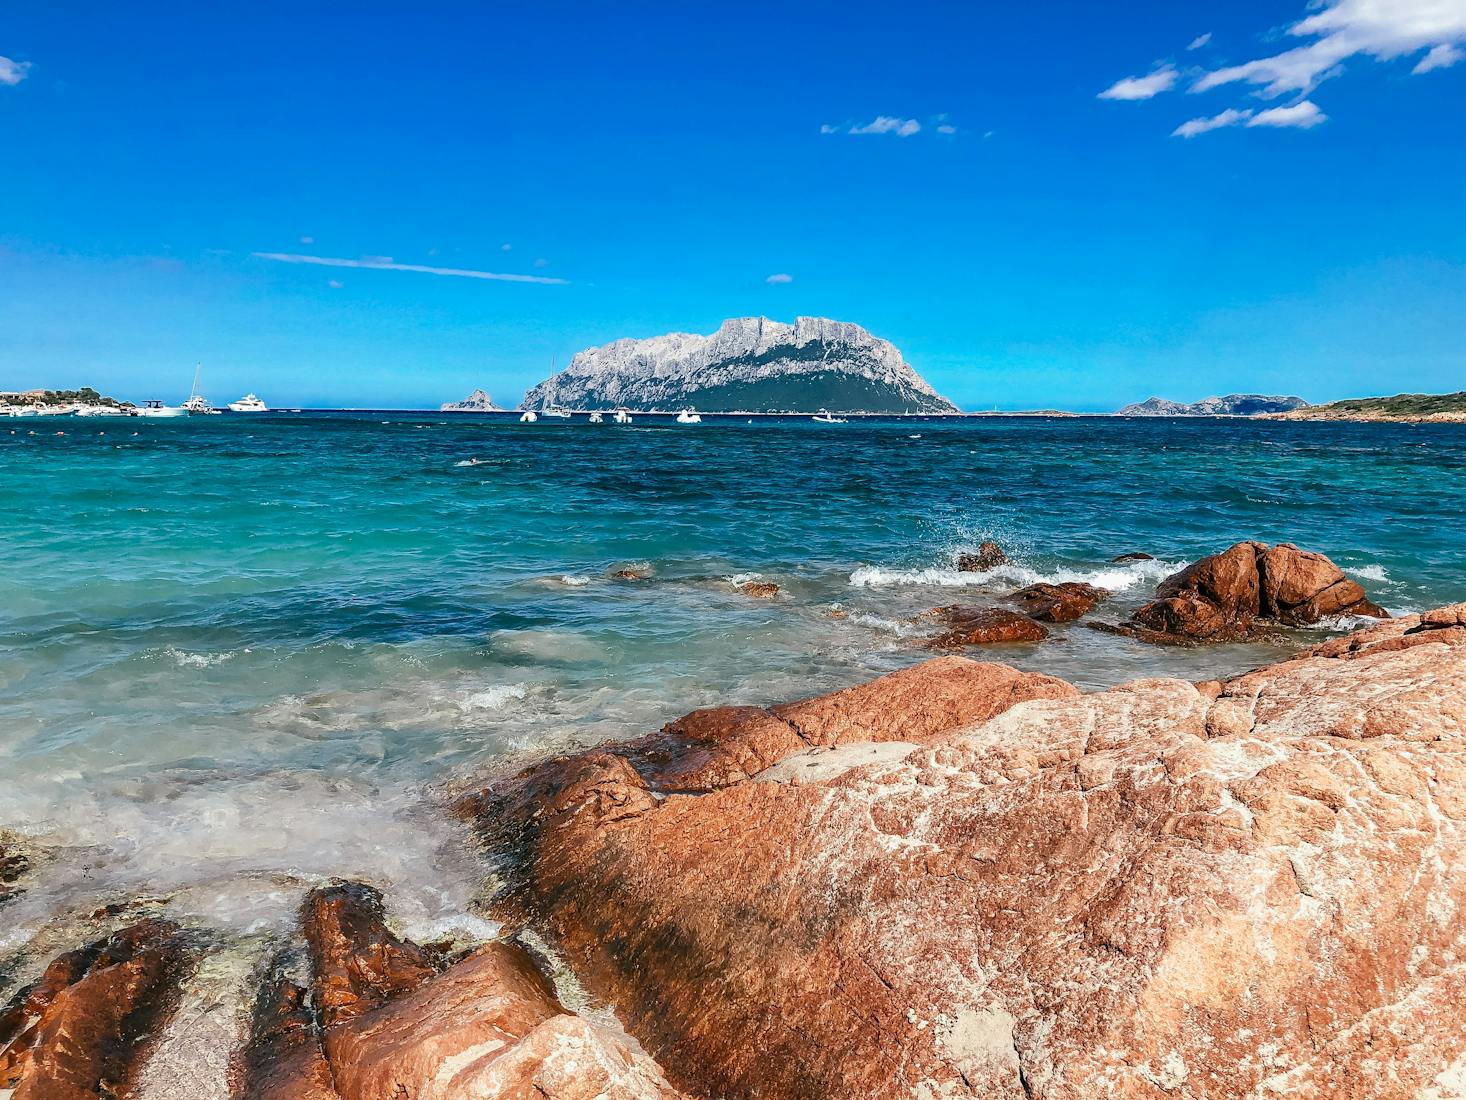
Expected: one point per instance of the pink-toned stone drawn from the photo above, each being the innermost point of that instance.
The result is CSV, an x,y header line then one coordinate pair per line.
x,y
984,626
1248,891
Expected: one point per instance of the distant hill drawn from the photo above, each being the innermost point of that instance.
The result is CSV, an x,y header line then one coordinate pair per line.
x,y
476,402
1234,404
1447,408
751,364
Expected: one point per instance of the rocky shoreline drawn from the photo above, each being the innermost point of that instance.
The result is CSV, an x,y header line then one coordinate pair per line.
x,y
956,880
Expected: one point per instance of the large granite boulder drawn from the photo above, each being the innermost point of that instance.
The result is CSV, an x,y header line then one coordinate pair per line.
x,y
1058,603
1237,593
1241,889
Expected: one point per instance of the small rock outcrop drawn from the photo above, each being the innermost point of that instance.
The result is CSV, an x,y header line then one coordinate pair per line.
x,y
13,864
1237,889
83,1030
984,626
477,401
988,555
1245,589
1058,603
383,1018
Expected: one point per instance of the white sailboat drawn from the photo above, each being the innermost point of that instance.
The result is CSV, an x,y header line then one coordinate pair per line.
x,y
197,404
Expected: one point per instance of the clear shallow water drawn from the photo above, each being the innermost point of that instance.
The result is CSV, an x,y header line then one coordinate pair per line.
x,y
238,655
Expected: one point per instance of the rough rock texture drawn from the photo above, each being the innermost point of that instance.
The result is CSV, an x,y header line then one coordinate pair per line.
x,y
477,401
83,1029
1238,592
1058,603
13,864
1133,555
1243,889
989,555
749,364
759,590
393,1024
984,626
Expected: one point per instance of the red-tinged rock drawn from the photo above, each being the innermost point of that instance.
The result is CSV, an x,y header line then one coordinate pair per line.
x,y
759,590
985,626
1225,596
357,962
989,555
1058,603
1150,891
83,1031
283,1059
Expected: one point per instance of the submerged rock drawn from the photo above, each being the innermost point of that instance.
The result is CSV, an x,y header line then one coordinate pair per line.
x,y
1133,555
1247,889
984,626
1241,591
989,555
83,1030
1058,603
759,590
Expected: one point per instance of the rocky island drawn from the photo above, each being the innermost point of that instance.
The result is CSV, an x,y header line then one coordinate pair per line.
x,y
477,401
751,364
1234,404
1411,408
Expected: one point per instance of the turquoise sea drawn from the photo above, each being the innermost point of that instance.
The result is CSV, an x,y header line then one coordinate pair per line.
x,y
239,654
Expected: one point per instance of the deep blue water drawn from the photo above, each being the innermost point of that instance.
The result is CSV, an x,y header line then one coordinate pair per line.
x,y
239,653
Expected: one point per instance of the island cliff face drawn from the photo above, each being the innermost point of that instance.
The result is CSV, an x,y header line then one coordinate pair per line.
x,y
751,364
1234,404
477,401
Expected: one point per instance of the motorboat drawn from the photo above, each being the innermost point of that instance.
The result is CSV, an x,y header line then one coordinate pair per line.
x,y
557,412
156,408
621,416
529,416
249,403
687,416
596,418
100,410
824,417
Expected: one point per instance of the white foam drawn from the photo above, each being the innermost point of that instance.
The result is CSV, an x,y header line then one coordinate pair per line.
x,y
198,660
743,578
498,697
1113,578
1371,572
575,580
901,629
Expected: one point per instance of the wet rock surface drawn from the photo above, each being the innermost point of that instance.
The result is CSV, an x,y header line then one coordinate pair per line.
x,y
1241,889
13,864
83,1029
1244,592
1058,603
988,555
759,590
984,626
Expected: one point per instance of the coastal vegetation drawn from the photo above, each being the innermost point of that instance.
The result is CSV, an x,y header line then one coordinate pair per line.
x,y
1412,407
49,398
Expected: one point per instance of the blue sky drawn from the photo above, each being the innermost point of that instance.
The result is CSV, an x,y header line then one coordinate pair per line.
x,y
1007,193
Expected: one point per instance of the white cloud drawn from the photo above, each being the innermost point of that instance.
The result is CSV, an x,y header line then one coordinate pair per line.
x,y
1343,29
1301,116
946,128
1154,83
1199,41
886,124
385,263
307,240
541,262
335,284
1440,57
1195,126
828,129
13,72
506,248
781,277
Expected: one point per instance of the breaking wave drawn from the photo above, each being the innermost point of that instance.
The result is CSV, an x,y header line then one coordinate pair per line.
x,y
1114,578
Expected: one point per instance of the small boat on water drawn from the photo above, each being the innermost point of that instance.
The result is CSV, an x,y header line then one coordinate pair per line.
x,y
156,409
529,416
557,412
596,418
197,404
688,416
249,403
824,417
621,416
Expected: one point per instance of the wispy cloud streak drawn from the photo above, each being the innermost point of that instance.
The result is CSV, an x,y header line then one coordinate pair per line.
x,y
382,263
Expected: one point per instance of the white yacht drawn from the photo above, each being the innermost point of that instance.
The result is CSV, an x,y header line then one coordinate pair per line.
x,y
529,416
596,418
100,410
688,416
156,408
249,403
557,412
621,416
824,417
